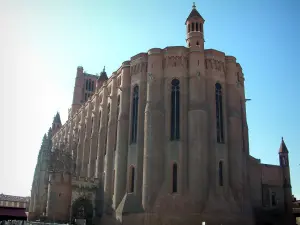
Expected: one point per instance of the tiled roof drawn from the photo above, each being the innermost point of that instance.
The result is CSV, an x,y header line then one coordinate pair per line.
x,y
13,198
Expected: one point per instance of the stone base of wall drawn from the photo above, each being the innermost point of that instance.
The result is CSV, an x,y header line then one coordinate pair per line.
x,y
192,219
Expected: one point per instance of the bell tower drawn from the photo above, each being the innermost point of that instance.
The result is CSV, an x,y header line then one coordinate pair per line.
x,y
194,30
287,188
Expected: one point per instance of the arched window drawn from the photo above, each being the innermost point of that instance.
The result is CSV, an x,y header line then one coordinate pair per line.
x,y
131,179
193,26
196,26
219,113
197,43
201,27
107,122
221,173
117,118
174,178
175,110
134,116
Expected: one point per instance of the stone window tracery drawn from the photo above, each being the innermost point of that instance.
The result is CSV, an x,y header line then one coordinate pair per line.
x,y
219,113
175,109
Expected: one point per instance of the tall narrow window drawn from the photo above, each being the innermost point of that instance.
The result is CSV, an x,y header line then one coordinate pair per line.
x,y
219,113
131,179
93,83
174,178
196,26
90,83
86,84
134,119
221,173
107,122
193,26
175,112
117,119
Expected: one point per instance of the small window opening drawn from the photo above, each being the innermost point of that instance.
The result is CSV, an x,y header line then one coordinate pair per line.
x,y
131,178
196,26
193,26
221,173
174,178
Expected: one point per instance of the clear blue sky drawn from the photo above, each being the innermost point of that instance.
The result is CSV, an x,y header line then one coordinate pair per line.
x,y
42,43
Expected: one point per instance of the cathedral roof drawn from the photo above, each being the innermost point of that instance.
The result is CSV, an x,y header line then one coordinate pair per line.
x,y
194,13
283,148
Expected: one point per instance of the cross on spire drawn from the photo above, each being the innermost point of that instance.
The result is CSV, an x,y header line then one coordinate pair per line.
x,y
194,5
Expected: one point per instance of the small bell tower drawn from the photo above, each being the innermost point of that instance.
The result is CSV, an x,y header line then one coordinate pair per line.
x,y
287,188
195,30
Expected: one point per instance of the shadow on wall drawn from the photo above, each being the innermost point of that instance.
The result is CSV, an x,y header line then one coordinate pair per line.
x,y
99,200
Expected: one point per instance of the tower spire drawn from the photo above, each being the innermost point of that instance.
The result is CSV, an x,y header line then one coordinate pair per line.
x,y
194,5
283,148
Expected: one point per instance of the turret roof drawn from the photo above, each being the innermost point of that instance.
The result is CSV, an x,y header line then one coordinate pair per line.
x,y
103,75
57,118
283,148
194,13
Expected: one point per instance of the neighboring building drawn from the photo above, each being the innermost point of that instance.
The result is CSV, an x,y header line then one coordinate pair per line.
x,y
296,210
164,140
13,207
14,201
